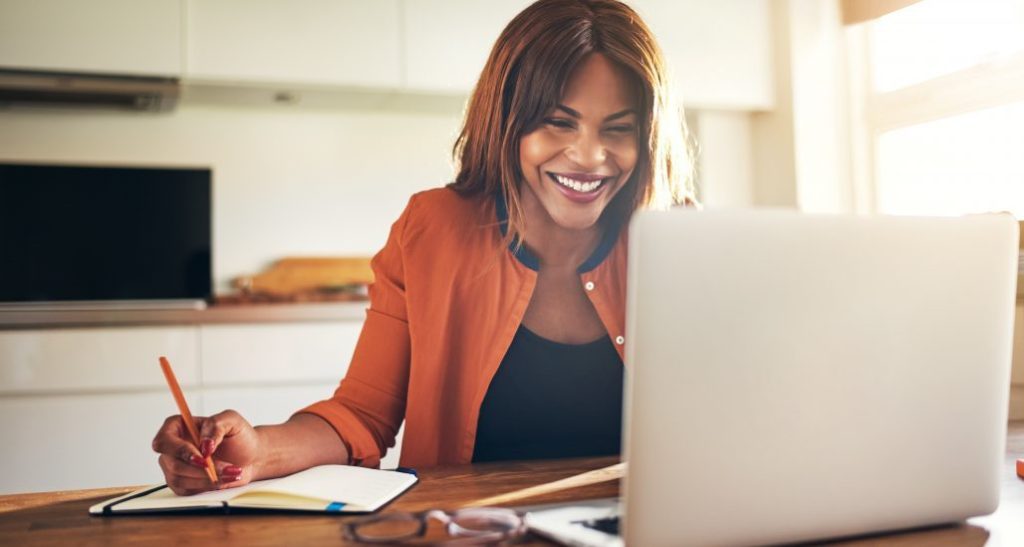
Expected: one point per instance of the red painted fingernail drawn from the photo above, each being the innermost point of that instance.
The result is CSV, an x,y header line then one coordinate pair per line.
x,y
198,461
230,478
207,447
233,470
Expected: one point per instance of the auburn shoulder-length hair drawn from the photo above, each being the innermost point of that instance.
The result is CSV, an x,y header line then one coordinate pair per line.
x,y
524,79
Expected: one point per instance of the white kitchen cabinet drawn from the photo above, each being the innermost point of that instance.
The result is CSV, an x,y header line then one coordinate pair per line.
x,y
277,352
99,36
720,53
265,405
272,405
325,42
80,441
79,406
96,359
446,42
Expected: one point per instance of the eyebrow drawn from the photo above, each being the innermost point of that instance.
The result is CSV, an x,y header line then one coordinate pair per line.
x,y
614,116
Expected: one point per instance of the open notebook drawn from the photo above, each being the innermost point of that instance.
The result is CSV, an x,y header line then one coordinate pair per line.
x,y
325,488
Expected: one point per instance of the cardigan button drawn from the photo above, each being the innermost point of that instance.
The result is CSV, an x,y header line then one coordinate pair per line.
x,y
620,340
589,285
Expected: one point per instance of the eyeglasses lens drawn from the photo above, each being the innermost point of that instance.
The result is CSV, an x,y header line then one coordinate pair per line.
x,y
485,522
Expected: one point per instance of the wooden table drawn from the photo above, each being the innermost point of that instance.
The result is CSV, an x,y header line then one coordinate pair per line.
x,y
60,518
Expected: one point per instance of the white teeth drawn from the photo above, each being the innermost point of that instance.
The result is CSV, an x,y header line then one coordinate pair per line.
x,y
577,185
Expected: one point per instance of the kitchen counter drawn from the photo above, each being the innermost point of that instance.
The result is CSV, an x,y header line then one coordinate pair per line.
x,y
251,313
248,313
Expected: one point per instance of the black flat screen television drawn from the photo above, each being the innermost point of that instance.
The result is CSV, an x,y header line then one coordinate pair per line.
x,y
76,233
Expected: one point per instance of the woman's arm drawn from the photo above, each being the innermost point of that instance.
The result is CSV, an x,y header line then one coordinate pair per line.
x,y
355,426
369,405
304,441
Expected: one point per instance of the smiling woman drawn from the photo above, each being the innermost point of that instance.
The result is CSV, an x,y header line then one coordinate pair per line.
x,y
602,56
583,153
497,315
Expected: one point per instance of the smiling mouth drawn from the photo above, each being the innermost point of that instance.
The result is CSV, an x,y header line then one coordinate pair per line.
x,y
585,185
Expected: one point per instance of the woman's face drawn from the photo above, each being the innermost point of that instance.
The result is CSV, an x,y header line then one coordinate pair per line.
x,y
585,149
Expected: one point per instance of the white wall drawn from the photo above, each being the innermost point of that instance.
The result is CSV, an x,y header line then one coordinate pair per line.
x,y
292,180
772,131
802,147
820,107
288,180
725,158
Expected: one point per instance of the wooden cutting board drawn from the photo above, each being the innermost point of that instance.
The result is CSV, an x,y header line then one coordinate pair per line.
x,y
296,275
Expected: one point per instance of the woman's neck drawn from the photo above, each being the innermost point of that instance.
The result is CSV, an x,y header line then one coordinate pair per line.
x,y
557,247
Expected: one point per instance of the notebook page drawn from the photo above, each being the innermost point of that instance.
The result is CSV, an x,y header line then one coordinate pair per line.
x,y
165,498
351,485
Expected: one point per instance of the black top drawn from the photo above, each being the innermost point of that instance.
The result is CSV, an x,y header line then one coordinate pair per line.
x,y
552,400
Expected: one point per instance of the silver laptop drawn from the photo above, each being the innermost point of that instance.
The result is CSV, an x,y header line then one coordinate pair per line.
x,y
796,377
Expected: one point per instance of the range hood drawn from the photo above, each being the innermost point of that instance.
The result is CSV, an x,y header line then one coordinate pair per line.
x,y
57,89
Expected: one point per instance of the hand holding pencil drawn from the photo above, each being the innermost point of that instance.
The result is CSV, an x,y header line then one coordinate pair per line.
x,y
195,450
186,416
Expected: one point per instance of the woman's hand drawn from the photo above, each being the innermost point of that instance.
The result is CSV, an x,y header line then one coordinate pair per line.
x,y
232,441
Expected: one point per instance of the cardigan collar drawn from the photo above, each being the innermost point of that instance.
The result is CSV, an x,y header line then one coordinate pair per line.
x,y
528,259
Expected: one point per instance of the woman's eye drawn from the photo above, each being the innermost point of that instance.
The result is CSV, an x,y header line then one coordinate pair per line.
x,y
559,123
621,128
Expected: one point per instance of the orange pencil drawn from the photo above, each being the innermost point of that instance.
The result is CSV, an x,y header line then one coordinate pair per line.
x,y
190,424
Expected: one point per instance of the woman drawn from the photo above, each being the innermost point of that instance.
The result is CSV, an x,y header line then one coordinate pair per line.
x,y
496,319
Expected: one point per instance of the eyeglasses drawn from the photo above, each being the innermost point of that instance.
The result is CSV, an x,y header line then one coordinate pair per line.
x,y
472,526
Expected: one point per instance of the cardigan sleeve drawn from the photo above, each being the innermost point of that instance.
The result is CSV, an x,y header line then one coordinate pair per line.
x,y
368,406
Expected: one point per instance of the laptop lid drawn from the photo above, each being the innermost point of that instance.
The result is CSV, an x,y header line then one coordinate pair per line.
x,y
797,377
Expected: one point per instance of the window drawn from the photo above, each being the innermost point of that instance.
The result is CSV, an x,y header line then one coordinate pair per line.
x,y
941,84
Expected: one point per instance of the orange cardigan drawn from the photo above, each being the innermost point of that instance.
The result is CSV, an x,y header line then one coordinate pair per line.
x,y
446,301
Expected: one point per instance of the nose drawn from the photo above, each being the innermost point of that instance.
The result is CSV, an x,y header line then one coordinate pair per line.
x,y
587,150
